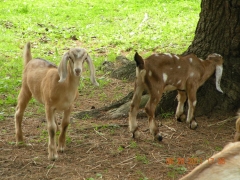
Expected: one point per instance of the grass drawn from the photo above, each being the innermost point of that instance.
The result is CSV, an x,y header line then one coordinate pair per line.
x,y
106,30
175,170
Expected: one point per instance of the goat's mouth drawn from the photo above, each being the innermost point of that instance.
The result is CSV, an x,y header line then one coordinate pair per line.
x,y
77,74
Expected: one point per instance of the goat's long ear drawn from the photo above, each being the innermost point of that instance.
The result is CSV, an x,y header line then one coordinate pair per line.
x,y
139,61
92,71
62,69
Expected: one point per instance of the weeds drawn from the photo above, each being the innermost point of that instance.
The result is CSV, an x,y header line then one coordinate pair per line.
x,y
142,158
175,170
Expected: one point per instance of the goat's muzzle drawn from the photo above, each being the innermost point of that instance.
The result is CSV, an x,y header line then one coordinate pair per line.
x,y
77,71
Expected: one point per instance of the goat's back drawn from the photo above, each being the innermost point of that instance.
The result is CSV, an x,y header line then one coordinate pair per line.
x,y
36,73
170,69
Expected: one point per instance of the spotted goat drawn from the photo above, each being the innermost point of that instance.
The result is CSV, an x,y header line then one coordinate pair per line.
x,y
167,72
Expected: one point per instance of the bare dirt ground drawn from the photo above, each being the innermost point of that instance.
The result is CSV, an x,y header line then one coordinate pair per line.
x,y
104,149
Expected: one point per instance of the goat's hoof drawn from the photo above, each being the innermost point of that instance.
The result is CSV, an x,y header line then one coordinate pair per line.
x,y
135,134
181,118
193,125
61,149
53,157
158,137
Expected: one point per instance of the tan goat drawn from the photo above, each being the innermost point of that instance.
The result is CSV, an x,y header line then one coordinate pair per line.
x,y
166,72
221,166
54,87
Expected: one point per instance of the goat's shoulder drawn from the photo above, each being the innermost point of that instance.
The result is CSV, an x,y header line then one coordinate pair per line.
x,y
192,60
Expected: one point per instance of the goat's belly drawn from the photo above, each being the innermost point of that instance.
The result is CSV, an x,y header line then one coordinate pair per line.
x,y
63,106
169,88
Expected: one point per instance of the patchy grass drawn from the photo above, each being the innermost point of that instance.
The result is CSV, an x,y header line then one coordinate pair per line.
x,y
106,30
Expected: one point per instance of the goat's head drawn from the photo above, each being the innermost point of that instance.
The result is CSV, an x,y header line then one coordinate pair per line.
x,y
77,57
218,60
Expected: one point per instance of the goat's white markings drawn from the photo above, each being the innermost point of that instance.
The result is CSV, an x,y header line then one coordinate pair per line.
x,y
179,81
176,56
168,54
179,67
194,103
191,74
165,76
190,60
150,73
137,71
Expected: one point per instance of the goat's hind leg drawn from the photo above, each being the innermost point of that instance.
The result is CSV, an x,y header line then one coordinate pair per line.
x,y
192,101
150,110
23,99
134,110
64,124
181,97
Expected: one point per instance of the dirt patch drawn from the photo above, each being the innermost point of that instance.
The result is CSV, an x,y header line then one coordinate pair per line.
x,y
104,149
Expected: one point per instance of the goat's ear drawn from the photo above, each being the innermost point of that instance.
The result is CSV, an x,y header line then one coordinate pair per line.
x,y
139,61
92,71
216,57
62,69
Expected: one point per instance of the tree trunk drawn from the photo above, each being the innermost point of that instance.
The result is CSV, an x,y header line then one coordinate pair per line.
x,y
218,31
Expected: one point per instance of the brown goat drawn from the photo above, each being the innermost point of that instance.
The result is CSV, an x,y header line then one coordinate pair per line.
x,y
166,72
54,87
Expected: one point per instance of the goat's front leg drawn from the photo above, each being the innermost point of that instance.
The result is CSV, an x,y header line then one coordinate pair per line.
x,y
134,110
23,99
181,97
65,123
192,101
237,134
150,110
52,128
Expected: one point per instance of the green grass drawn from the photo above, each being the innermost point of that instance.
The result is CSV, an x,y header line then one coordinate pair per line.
x,y
106,30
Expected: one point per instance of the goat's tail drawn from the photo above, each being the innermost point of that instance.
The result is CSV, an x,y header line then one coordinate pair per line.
x,y
139,61
27,56
140,70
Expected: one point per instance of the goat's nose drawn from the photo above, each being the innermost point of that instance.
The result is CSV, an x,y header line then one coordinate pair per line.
x,y
77,71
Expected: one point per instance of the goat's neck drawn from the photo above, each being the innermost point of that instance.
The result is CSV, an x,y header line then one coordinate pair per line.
x,y
209,69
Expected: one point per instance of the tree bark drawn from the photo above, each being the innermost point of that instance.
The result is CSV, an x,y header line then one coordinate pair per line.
x,y
218,31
